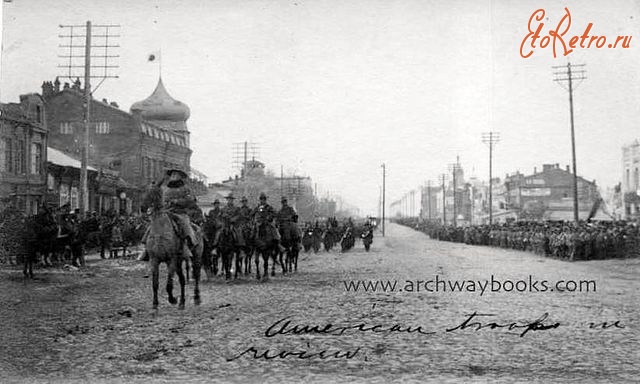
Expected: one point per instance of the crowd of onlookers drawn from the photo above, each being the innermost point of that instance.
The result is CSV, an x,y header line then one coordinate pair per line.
x,y
105,232
582,241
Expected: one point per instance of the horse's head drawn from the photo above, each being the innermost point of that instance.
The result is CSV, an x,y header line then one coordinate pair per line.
x,y
153,200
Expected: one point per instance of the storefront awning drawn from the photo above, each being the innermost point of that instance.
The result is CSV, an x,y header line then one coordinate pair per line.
x,y
62,159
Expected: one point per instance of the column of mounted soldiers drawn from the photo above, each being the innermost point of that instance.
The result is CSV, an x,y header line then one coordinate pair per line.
x,y
571,241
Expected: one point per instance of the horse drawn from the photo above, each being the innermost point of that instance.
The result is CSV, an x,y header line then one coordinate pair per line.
x,y
248,249
367,238
227,249
290,242
307,239
266,245
347,242
164,245
209,258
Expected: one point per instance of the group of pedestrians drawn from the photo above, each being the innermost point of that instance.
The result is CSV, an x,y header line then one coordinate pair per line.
x,y
571,241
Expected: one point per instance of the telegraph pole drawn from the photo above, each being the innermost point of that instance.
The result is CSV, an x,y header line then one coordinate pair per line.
x,y
570,76
71,57
384,172
491,138
444,200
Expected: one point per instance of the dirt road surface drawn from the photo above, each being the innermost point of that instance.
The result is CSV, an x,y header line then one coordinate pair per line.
x,y
97,325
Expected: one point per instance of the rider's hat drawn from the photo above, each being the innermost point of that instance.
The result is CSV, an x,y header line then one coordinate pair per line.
x,y
216,201
182,173
244,198
263,196
230,196
284,198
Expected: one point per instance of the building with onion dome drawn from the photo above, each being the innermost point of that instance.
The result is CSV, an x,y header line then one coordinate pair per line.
x,y
130,150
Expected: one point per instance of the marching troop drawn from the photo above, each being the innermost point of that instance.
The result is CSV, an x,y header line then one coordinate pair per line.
x,y
584,241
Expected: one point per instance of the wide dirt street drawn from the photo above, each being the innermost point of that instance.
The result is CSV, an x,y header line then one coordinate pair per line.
x,y
97,325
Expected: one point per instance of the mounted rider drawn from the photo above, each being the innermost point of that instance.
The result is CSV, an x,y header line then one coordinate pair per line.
x,y
264,214
244,213
180,203
287,219
213,221
231,216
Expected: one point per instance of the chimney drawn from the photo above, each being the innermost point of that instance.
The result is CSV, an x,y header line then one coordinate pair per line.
x,y
56,85
105,101
568,170
114,104
535,170
557,165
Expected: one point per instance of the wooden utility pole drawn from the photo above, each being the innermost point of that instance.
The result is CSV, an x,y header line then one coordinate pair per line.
x,y
71,55
569,76
444,200
491,138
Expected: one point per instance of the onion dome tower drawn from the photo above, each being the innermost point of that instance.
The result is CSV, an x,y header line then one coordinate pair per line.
x,y
162,109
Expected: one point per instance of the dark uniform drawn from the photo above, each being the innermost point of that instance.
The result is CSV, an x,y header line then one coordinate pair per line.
x,y
231,216
180,202
287,217
264,214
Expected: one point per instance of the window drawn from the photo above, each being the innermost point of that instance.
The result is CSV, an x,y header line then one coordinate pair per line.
x,y
38,114
66,128
36,158
103,127
20,158
8,155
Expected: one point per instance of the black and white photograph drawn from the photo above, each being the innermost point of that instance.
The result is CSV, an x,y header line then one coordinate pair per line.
x,y
320,191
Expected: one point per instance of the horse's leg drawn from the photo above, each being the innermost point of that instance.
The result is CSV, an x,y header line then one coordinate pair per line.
x,y
275,259
265,259
283,263
197,264
155,271
182,280
173,265
238,263
257,261
247,261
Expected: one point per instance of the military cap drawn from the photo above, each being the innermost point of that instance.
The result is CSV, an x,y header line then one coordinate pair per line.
x,y
284,198
230,196
263,196
216,201
244,198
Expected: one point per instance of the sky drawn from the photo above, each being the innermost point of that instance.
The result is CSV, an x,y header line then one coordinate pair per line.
x,y
332,89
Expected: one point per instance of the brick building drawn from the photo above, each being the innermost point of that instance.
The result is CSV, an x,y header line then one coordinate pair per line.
x,y
129,150
23,143
550,192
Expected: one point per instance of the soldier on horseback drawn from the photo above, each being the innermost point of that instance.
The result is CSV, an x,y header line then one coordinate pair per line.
x,y
180,203
264,214
244,212
231,216
287,217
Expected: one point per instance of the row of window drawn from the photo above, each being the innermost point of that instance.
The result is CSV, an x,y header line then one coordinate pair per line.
x,y
162,135
13,157
153,168
101,127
